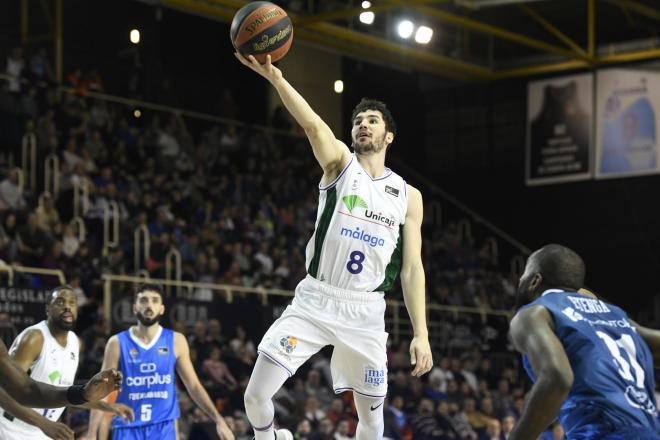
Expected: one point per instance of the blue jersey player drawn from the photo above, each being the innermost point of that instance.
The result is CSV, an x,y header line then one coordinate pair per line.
x,y
148,355
590,363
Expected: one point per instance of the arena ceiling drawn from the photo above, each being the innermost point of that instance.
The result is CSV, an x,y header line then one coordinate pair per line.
x,y
474,40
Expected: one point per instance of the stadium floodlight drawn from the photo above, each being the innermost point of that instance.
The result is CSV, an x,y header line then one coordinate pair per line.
x,y
366,4
423,35
405,28
339,86
367,17
135,36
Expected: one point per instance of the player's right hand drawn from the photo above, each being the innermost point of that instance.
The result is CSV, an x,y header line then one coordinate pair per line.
x,y
57,431
267,70
102,384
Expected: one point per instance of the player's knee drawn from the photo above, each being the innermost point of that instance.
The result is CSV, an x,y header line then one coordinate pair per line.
x,y
253,397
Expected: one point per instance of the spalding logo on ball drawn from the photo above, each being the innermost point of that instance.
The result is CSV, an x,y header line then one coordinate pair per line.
x,y
261,29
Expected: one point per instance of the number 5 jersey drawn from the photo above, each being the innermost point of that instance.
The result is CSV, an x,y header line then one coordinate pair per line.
x,y
612,366
357,242
149,379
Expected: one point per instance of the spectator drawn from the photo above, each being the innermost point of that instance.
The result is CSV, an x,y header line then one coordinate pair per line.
x,y
48,218
218,371
326,430
313,412
32,242
508,422
14,68
303,431
11,194
40,67
493,431
8,237
343,431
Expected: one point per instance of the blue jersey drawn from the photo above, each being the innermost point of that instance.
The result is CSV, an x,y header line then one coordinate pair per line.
x,y
149,381
612,366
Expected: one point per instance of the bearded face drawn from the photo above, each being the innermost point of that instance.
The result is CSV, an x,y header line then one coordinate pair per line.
x,y
369,133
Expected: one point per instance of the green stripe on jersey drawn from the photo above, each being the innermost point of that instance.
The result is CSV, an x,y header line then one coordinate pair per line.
x,y
394,266
322,229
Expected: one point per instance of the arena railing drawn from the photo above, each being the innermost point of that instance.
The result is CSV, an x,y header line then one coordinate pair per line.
x,y
396,316
12,269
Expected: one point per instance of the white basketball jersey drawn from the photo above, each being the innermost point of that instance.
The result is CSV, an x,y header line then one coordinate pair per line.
x,y
56,365
357,242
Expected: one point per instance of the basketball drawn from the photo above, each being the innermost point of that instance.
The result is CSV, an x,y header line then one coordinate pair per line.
x,y
261,29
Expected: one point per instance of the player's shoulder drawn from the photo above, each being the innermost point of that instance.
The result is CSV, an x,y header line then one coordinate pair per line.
x,y
528,318
412,191
32,337
179,338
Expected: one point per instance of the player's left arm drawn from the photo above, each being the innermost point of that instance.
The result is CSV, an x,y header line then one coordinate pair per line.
x,y
413,283
532,333
197,392
117,409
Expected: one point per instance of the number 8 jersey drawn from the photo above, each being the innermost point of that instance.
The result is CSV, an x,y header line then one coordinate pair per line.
x,y
357,242
612,366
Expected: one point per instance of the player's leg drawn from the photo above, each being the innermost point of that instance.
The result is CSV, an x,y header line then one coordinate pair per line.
x,y
371,423
288,344
359,364
267,377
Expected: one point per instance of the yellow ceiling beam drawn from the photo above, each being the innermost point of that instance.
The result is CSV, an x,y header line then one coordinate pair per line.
x,y
396,53
496,31
363,52
615,58
640,8
304,20
554,31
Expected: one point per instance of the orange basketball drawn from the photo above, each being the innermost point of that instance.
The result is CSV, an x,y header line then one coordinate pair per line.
x,y
260,29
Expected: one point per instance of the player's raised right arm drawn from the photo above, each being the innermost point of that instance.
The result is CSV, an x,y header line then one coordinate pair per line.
x,y
110,360
332,154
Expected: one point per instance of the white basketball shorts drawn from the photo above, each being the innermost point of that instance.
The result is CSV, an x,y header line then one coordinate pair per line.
x,y
352,322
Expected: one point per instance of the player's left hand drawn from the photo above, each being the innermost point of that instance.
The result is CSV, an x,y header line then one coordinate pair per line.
x,y
123,411
223,430
102,384
420,355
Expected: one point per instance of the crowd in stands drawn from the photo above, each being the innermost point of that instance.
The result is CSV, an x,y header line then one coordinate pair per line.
x,y
239,206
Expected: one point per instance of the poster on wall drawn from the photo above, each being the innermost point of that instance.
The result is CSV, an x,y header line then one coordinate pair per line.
x,y
627,120
559,129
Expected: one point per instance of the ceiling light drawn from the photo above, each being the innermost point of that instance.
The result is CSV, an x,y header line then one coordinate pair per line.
x,y
135,36
406,28
339,86
367,17
423,35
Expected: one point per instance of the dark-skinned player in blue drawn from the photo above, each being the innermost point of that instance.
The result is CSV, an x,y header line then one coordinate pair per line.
x,y
591,365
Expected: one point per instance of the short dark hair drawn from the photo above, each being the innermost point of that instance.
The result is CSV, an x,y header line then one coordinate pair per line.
x,y
560,266
152,287
373,104
57,289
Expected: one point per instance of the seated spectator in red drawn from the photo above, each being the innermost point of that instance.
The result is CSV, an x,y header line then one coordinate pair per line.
x,y
217,370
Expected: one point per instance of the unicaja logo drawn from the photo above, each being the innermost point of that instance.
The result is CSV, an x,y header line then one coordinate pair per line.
x,y
353,201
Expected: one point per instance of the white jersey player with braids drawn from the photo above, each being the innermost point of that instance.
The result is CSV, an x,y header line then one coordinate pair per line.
x,y
368,230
